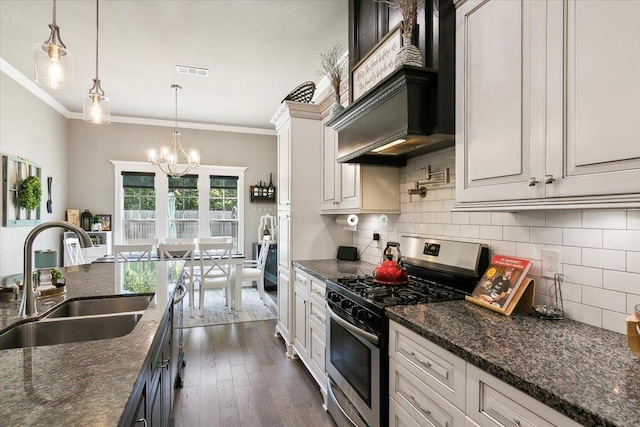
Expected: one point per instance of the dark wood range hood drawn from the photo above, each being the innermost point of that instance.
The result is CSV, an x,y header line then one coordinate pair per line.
x,y
413,107
401,107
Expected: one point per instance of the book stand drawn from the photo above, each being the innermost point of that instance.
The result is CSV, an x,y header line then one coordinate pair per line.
x,y
522,300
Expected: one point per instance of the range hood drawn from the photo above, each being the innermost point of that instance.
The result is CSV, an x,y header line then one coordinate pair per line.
x,y
395,120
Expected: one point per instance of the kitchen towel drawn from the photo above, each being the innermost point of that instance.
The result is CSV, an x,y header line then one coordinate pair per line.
x,y
348,222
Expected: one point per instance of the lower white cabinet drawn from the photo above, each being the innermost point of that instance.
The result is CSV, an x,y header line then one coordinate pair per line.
x,y
430,386
309,330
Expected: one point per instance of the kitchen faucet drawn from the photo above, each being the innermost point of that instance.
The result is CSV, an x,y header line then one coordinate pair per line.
x,y
30,291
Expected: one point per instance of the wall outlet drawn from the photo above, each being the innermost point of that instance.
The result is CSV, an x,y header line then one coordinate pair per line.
x,y
376,236
550,262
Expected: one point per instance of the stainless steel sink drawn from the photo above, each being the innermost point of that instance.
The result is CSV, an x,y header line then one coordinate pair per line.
x,y
68,330
90,307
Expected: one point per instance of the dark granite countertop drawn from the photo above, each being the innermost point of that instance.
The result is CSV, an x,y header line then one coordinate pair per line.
x,y
84,383
587,373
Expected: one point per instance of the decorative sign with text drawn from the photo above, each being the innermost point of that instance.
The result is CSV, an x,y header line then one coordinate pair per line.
x,y
378,64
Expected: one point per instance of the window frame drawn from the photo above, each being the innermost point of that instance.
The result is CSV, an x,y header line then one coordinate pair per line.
x,y
162,182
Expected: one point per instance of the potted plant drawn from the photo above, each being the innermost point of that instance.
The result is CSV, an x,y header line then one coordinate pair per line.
x,y
408,54
96,225
56,276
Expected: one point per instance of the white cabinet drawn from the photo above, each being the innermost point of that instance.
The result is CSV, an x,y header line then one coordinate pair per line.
x,y
348,187
429,385
546,108
302,233
309,336
102,246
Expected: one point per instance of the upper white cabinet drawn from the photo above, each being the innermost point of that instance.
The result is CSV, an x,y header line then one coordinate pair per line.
x,y
355,188
546,105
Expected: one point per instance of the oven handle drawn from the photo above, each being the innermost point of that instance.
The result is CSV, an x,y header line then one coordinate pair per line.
x,y
351,328
176,300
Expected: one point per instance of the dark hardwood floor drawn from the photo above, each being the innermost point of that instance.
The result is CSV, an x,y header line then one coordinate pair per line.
x,y
239,375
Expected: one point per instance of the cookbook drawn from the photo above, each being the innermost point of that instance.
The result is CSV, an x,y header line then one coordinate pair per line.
x,y
501,280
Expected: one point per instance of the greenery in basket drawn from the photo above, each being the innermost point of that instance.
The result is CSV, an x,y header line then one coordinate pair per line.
x,y
30,193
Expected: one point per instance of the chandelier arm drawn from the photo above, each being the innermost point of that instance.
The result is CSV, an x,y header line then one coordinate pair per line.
x,y
97,36
54,13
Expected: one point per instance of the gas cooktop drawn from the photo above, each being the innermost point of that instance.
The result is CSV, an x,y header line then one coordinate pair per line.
x,y
418,290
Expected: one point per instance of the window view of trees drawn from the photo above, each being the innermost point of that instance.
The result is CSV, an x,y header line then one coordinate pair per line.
x,y
183,206
223,207
139,205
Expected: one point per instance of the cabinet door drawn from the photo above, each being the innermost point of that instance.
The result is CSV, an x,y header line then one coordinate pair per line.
x,y
500,104
284,241
349,185
330,169
300,322
283,303
597,150
284,165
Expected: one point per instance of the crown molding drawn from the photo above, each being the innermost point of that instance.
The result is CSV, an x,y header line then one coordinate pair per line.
x,y
40,93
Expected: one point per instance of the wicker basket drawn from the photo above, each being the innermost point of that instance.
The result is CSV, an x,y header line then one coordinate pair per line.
x,y
302,93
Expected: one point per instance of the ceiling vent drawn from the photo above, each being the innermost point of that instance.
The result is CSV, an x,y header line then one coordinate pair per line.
x,y
192,71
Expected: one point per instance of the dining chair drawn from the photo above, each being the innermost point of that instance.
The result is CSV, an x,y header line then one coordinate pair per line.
x,y
253,270
215,239
74,251
174,240
214,271
152,242
132,252
185,252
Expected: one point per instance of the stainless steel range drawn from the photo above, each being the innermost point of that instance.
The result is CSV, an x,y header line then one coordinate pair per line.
x,y
357,328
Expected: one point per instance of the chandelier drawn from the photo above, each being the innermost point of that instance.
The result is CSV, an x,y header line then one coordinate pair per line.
x,y
95,105
173,159
53,63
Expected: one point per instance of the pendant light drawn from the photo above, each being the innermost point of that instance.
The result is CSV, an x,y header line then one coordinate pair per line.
x,y
173,159
52,62
95,105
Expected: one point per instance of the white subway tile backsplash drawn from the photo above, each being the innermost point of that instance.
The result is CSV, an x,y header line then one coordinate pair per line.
x,y
582,237
614,321
633,219
622,282
604,258
582,275
551,236
460,217
604,219
600,249
503,218
491,232
470,231
603,298
633,262
564,219
529,251
531,218
517,234
480,218
628,240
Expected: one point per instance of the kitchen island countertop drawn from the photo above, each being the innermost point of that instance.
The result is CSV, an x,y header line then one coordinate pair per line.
x,y
584,372
84,383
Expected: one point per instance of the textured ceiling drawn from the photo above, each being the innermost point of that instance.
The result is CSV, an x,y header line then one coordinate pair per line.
x,y
256,52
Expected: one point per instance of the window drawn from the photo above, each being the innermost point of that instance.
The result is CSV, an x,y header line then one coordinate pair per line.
x,y
183,209
139,205
150,205
223,206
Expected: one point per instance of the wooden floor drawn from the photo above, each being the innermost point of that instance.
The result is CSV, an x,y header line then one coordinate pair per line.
x,y
238,375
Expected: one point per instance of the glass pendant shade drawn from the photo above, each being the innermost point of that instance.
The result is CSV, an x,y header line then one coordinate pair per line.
x,y
95,106
173,159
52,61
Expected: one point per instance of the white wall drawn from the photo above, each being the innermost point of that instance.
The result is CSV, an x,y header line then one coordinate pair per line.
x,y
91,176
600,249
31,129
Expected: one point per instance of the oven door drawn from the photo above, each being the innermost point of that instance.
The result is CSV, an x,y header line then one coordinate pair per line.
x,y
353,365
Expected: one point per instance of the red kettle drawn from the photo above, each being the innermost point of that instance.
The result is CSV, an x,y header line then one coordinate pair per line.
x,y
390,272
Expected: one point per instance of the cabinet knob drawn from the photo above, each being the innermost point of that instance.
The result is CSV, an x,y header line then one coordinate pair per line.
x,y
142,420
532,181
548,179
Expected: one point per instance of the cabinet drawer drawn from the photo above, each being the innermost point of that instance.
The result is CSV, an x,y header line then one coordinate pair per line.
x,y
492,403
439,369
317,289
95,251
422,403
317,348
301,278
398,417
318,312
